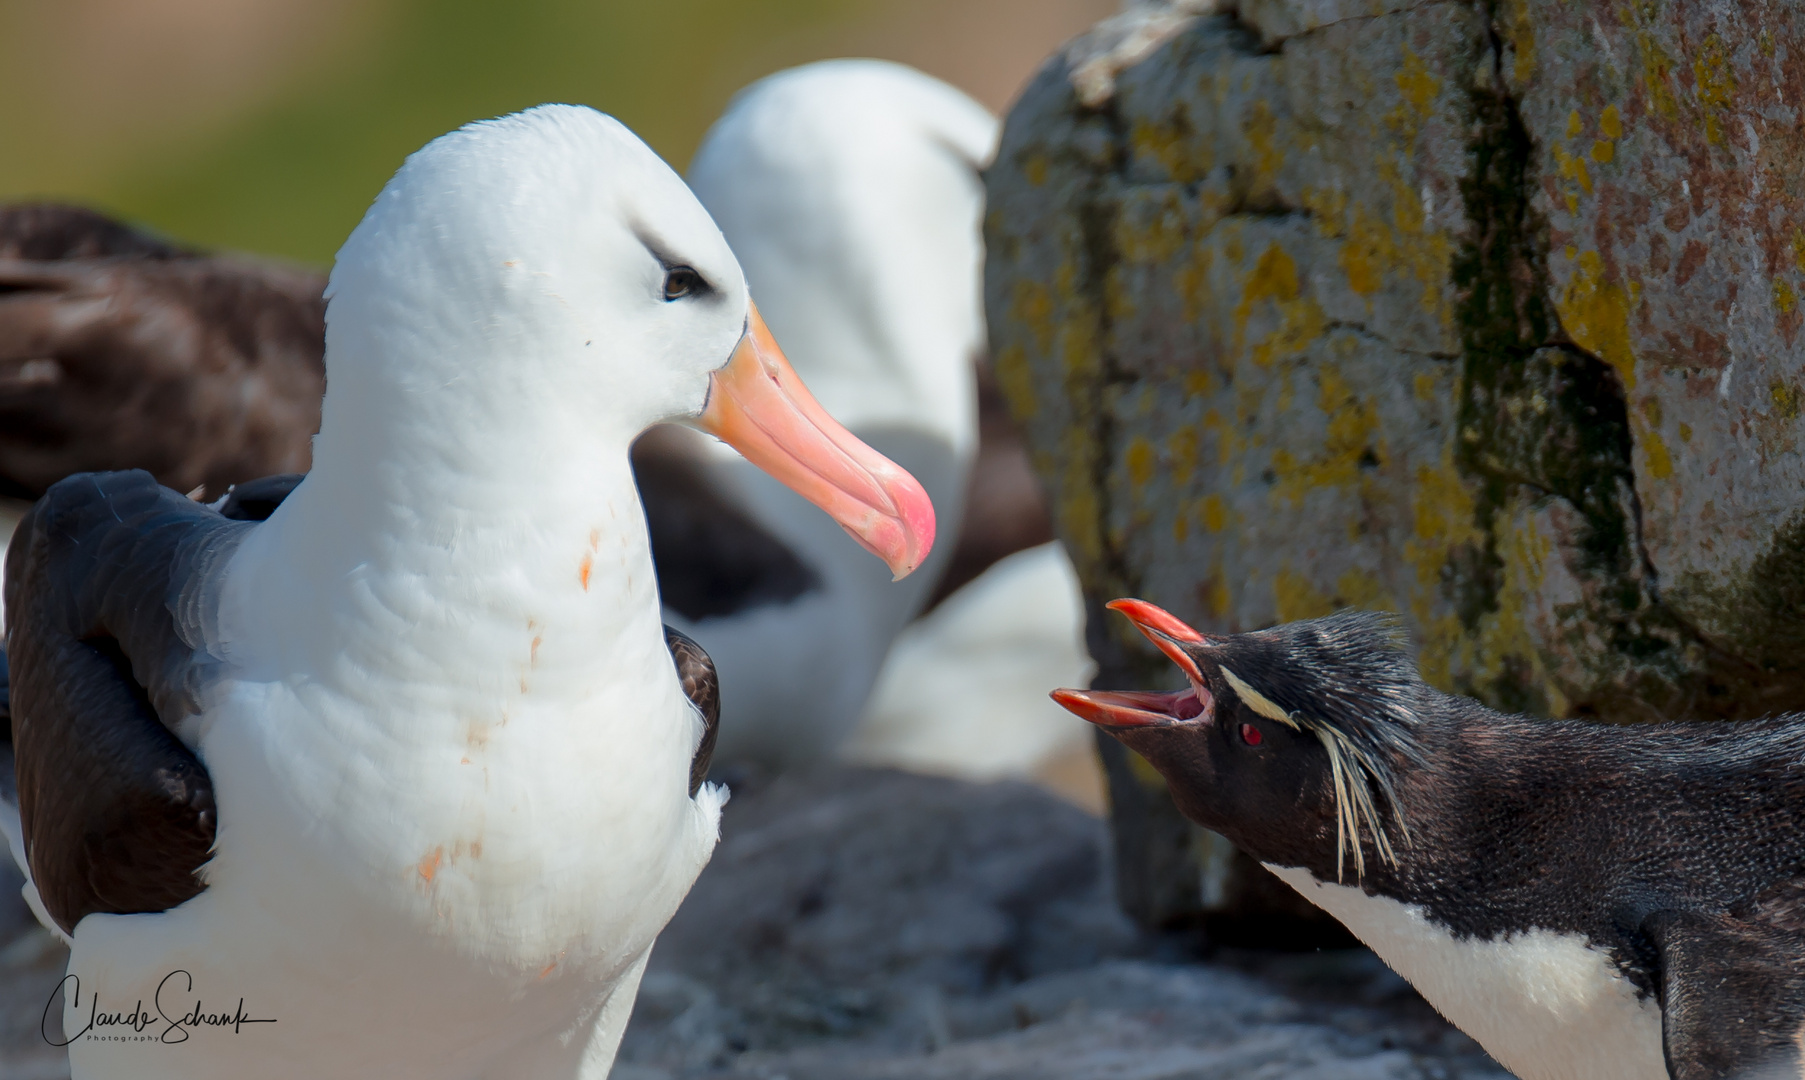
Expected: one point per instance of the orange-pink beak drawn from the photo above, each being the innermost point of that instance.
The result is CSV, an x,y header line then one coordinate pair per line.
x,y
758,406
1141,708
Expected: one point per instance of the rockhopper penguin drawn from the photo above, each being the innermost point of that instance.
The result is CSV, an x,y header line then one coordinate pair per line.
x,y
1589,902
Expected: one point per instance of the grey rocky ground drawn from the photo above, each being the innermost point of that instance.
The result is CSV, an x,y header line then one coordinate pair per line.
x,y
864,924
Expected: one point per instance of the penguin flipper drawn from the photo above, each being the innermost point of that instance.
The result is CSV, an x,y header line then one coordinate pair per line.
x,y
1732,987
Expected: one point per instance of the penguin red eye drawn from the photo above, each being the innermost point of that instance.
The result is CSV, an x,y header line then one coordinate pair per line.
x,y
1251,735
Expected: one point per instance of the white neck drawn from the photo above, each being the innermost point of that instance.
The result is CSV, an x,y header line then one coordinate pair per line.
x,y
466,563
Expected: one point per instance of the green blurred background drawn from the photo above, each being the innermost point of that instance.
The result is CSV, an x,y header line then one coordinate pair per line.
x,y
268,125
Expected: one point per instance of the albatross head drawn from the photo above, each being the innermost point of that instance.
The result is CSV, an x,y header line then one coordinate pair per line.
x,y
544,286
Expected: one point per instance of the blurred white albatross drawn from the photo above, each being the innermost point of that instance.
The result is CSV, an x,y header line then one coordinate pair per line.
x,y
428,702
850,191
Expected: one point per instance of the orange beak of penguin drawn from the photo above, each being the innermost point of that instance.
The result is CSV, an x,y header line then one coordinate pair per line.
x,y
758,405
1140,709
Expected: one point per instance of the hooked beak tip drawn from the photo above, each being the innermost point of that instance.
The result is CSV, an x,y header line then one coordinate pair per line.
x,y
759,406
1167,631
1147,617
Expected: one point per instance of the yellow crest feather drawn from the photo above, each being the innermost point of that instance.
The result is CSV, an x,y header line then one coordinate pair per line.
x,y
1259,702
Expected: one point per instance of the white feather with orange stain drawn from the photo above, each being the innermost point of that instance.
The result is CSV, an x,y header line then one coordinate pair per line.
x,y
428,865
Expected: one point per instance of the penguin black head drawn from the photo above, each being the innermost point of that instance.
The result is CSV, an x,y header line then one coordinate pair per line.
x,y
1289,741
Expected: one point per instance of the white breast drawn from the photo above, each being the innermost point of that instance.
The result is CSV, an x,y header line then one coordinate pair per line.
x,y
1547,1005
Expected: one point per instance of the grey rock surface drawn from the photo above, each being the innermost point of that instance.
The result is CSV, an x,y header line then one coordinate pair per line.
x,y
863,924
1486,313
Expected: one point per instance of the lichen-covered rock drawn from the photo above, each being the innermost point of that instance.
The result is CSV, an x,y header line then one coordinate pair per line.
x,y
1487,313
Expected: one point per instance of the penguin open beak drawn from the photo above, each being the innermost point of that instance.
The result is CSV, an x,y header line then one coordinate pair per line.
x,y
758,405
1139,708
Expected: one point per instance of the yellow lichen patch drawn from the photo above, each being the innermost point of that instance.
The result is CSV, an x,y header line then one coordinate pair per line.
x,y
1287,392
1365,252
1595,312
1035,168
1442,514
1573,168
1261,130
1417,83
1603,151
1193,281
1352,433
1716,84
1079,513
1199,383
1327,207
1015,378
1660,462
1798,247
1181,449
1685,433
1119,289
1140,460
1149,232
1786,400
1504,634
1442,509
1424,386
1215,595
1215,513
1411,247
1611,122
1657,67
1716,78
1296,598
1521,29
1301,319
1357,588
1574,124
1075,333
1648,437
1274,278
1174,145
1032,306
1784,298
1443,647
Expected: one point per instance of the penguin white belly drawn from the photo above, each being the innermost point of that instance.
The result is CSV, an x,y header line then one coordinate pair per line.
x,y
1547,1005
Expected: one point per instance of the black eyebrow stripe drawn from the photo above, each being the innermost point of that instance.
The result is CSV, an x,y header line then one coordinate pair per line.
x,y
656,248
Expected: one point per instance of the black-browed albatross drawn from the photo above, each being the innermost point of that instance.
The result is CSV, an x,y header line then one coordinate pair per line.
x,y
418,734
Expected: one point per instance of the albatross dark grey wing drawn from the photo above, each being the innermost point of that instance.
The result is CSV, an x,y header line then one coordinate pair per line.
x,y
712,558
1732,987
109,582
703,689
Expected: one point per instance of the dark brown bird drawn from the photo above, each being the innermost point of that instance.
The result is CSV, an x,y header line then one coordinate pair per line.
x,y
121,350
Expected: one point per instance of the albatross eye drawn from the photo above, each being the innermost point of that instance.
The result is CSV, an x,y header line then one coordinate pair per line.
x,y
681,281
